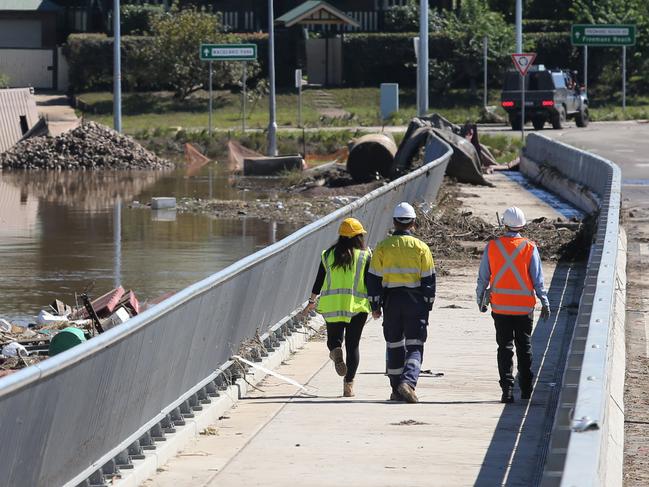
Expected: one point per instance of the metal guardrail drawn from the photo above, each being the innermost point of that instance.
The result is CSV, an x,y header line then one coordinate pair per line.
x,y
589,405
81,413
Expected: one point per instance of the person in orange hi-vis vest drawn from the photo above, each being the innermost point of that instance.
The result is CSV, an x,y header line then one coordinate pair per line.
x,y
510,279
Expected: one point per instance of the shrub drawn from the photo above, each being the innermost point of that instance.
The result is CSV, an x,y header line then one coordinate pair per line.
x,y
90,57
4,81
139,19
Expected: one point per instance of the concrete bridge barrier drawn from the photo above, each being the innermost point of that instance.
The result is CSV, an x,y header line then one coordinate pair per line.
x,y
587,441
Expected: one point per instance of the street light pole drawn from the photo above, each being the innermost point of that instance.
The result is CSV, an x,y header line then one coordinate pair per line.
x,y
272,123
117,69
422,61
519,26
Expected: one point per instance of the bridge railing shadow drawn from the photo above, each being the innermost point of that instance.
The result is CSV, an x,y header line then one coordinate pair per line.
x,y
516,453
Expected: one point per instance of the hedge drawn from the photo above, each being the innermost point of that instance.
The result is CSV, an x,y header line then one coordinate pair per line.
x,y
371,59
90,57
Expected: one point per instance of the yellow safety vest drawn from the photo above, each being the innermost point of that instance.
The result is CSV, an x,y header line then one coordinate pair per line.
x,y
344,293
401,261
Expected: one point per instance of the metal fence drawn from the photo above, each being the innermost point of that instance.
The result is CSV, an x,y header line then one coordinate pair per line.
x,y
585,447
67,417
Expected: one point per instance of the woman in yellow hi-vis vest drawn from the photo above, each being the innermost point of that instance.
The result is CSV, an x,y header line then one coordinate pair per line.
x,y
343,299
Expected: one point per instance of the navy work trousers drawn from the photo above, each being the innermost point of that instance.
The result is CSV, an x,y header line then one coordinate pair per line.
x,y
510,330
405,323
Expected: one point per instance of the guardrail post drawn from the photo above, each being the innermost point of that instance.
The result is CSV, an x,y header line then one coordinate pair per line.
x,y
123,460
167,424
212,389
177,417
135,451
147,442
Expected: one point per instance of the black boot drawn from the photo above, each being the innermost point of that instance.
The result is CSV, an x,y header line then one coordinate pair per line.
x,y
508,396
526,392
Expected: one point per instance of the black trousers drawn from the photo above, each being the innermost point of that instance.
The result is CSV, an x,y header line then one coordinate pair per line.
x,y
510,330
405,329
352,334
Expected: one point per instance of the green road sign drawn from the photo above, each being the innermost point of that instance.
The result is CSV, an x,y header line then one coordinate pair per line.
x,y
228,52
603,35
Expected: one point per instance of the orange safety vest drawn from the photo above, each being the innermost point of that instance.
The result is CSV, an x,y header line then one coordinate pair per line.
x,y
511,287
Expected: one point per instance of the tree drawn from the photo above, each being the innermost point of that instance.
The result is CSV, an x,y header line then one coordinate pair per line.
x,y
405,18
469,26
178,35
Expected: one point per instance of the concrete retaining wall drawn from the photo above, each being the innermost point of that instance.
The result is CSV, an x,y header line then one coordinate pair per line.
x,y
586,446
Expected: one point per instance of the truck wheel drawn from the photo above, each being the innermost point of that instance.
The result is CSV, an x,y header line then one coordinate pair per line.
x,y
559,118
582,118
515,121
538,123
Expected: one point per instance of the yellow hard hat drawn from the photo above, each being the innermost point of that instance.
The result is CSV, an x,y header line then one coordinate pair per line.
x,y
350,227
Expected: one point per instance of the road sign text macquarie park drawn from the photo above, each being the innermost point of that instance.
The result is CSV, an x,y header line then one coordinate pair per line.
x,y
228,52
603,35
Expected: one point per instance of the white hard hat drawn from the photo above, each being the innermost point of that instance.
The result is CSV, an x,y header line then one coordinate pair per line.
x,y
514,218
404,211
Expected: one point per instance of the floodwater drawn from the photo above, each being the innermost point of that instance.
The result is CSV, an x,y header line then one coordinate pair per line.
x,y
62,233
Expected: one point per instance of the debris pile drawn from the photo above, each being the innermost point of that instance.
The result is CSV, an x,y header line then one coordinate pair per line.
x,y
455,234
61,327
292,211
90,146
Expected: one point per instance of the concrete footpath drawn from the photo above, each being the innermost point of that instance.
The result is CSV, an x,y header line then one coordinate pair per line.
x,y
458,435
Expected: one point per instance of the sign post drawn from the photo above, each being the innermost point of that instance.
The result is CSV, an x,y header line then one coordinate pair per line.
x,y
585,70
298,85
228,52
523,62
604,35
209,123
244,81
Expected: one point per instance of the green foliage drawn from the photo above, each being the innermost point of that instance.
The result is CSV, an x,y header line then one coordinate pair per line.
x,y
547,9
139,19
4,81
468,27
546,25
405,18
168,60
90,57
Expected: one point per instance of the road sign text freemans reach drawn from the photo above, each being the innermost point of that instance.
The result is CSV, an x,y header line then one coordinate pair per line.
x,y
228,52
523,61
603,35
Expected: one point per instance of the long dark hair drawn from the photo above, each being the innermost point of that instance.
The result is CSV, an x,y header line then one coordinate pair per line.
x,y
344,250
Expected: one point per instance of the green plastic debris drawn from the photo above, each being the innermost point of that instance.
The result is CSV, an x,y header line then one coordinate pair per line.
x,y
65,340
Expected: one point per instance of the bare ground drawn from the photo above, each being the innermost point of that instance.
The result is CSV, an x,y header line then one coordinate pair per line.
x,y
636,390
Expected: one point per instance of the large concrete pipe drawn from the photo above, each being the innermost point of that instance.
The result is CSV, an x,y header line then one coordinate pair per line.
x,y
369,155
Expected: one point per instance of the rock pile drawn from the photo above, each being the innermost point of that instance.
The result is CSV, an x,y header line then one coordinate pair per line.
x,y
89,146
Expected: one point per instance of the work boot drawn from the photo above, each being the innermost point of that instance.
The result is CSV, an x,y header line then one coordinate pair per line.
x,y
395,396
407,392
508,396
339,363
348,389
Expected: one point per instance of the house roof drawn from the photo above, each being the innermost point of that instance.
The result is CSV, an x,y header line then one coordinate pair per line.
x,y
29,6
315,12
14,103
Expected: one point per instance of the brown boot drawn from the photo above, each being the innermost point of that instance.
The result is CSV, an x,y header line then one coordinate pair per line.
x,y
348,389
408,393
339,363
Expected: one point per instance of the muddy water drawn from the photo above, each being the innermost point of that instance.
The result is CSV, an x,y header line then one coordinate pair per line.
x,y
62,233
